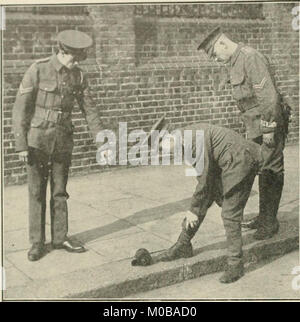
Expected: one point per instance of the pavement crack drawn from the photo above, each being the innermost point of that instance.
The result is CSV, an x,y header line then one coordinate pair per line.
x,y
19,270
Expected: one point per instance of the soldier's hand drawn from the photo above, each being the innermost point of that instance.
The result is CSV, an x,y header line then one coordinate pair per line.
x,y
23,156
268,139
191,220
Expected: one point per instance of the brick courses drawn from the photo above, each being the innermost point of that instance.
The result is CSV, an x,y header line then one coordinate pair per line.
x,y
144,66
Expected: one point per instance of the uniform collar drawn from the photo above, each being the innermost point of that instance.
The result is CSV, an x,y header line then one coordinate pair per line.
x,y
56,63
236,54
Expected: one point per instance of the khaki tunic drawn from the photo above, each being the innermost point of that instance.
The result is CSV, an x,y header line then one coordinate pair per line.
x,y
44,103
228,160
254,90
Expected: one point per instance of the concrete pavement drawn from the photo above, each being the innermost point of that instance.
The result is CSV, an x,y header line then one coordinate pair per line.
x,y
115,213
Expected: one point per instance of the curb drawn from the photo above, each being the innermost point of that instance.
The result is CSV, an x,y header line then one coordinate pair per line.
x,y
199,265
119,279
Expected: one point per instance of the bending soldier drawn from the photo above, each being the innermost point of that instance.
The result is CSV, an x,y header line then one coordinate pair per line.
x,y
230,166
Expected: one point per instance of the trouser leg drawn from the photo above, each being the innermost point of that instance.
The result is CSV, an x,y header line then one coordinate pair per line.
x,y
269,225
232,214
261,190
276,192
37,170
58,203
262,198
271,180
271,185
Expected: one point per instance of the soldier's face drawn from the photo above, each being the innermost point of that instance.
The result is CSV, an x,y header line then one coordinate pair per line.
x,y
220,52
70,61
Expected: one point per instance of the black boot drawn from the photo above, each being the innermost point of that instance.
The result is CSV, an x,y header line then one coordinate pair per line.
x,y
178,250
273,185
263,232
232,273
183,247
70,246
36,252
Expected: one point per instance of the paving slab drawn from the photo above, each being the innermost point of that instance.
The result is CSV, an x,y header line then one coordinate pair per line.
x,y
16,240
97,226
15,278
117,212
15,214
62,263
120,279
125,247
117,228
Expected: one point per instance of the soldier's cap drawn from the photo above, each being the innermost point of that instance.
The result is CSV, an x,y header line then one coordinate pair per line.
x,y
209,40
142,258
74,42
75,39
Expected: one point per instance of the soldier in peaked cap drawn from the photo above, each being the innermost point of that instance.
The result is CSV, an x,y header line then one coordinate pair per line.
x,y
44,134
264,114
209,41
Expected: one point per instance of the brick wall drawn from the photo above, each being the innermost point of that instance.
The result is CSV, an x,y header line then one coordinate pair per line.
x,y
145,63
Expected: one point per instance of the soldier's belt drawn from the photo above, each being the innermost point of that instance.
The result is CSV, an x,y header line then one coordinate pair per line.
x,y
246,104
51,115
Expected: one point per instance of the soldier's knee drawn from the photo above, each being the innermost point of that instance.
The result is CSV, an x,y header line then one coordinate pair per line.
x,y
60,196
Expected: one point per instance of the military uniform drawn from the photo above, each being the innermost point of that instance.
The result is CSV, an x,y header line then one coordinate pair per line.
x,y
43,127
260,104
254,89
229,168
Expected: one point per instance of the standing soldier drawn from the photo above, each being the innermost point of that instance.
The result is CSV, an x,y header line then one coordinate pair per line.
x,y
44,135
264,117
